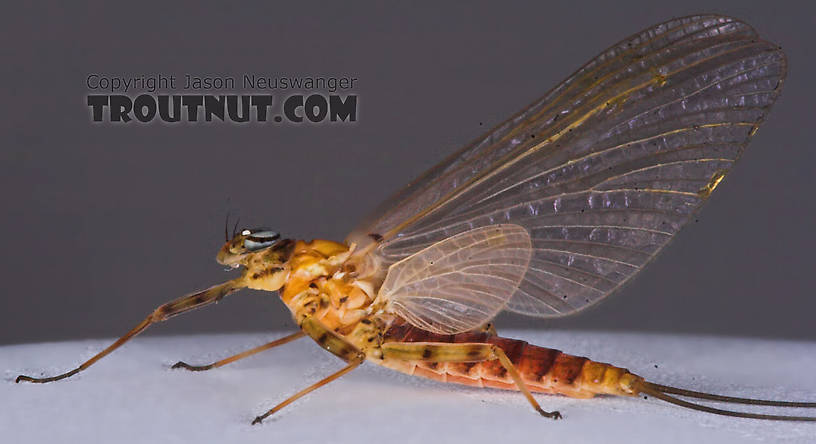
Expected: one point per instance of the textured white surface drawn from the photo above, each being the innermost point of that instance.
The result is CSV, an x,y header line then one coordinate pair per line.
x,y
133,395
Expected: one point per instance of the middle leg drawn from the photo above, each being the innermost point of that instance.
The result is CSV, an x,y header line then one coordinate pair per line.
x,y
242,355
354,363
332,342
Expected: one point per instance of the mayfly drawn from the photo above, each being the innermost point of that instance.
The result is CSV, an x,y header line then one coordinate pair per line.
x,y
545,215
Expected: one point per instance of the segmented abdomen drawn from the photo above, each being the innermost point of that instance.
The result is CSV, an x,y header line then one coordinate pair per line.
x,y
544,370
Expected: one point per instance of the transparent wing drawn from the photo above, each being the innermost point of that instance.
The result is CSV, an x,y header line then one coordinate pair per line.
x,y
604,169
460,283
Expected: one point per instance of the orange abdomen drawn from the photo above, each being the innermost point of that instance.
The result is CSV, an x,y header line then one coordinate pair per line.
x,y
544,370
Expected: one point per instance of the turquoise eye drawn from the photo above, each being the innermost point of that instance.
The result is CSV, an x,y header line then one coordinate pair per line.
x,y
259,238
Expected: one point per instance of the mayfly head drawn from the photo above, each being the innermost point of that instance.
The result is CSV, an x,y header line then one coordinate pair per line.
x,y
244,243
262,253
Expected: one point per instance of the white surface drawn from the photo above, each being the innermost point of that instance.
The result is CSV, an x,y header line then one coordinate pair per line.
x,y
133,395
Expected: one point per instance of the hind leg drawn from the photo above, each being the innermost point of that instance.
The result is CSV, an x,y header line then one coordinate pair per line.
x,y
463,352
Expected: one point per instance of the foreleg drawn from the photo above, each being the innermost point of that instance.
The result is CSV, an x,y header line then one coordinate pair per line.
x,y
164,312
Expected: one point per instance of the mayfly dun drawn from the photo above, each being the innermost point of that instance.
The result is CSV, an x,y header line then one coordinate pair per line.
x,y
545,215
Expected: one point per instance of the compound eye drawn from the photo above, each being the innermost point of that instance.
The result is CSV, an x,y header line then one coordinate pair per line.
x,y
259,238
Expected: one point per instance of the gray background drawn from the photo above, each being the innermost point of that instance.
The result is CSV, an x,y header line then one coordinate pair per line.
x,y
101,223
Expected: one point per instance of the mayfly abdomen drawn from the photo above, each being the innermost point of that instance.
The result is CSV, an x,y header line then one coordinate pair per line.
x,y
543,370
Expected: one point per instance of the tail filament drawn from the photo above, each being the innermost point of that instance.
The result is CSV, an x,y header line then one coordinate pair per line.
x,y
664,393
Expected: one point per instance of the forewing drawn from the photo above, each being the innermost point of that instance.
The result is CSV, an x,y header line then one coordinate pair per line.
x,y
459,283
603,170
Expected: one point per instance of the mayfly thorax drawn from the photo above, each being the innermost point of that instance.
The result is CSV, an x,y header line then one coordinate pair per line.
x,y
545,215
